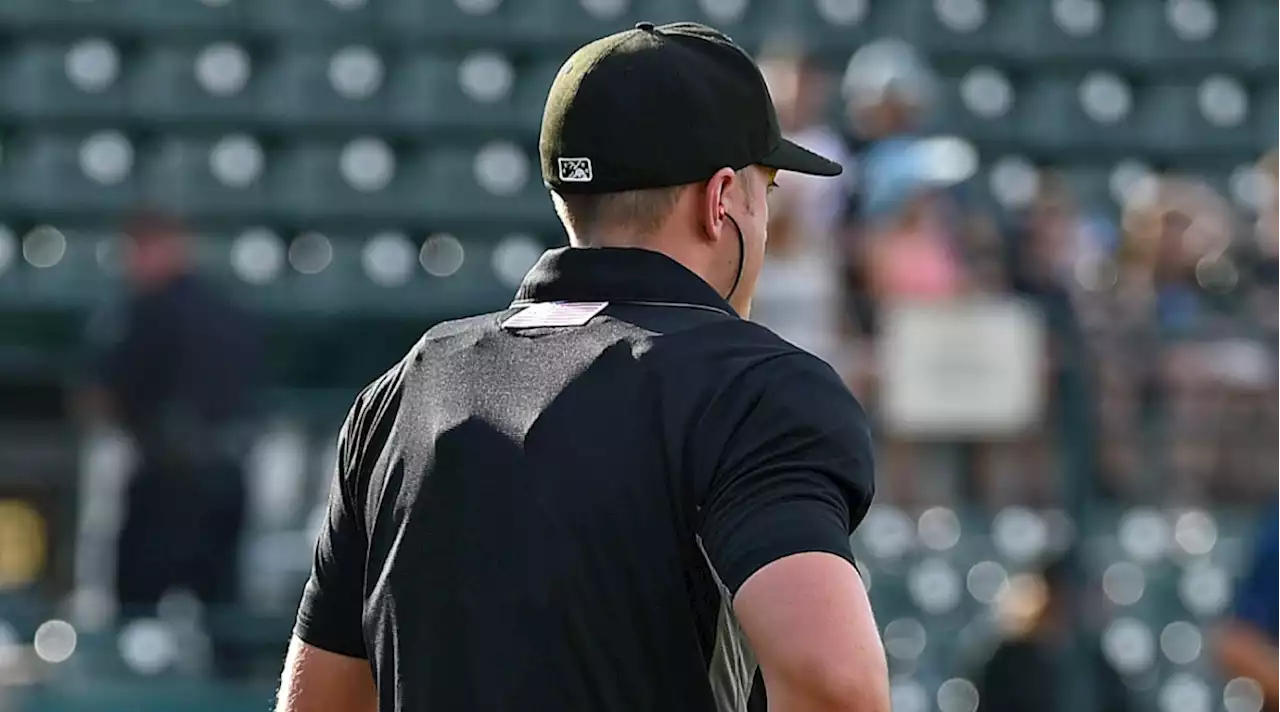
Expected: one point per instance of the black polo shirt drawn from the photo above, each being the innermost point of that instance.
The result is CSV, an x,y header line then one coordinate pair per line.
x,y
557,517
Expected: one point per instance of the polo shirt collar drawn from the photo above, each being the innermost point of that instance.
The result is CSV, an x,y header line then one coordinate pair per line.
x,y
616,274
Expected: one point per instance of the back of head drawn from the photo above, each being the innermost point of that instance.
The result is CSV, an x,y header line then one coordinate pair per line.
x,y
665,137
637,116
626,218
625,128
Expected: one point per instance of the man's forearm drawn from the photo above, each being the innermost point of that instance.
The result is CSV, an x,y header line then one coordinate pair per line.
x,y
316,680
1244,652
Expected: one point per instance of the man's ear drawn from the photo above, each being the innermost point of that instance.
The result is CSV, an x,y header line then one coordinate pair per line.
x,y
713,203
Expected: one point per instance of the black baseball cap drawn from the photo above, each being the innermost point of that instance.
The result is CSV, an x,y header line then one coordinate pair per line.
x,y
660,106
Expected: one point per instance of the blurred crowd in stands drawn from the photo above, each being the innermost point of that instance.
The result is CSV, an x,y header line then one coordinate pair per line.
x,y
1158,314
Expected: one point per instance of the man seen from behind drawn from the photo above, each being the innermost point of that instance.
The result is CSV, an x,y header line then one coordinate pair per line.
x,y
618,494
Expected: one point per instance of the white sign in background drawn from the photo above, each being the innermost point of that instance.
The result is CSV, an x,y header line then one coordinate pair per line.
x,y
962,369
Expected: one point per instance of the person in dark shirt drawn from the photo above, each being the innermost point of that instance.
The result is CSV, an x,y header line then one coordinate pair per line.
x,y
1039,665
618,494
179,369
1246,641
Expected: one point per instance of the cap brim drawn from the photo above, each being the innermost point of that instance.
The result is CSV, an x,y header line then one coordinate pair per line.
x,y
790,156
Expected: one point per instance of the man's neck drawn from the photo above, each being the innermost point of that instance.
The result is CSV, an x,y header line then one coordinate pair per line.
x,y
673,247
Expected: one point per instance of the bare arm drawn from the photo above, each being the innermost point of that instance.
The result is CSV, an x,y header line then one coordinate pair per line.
x,y
317,680
1245,652
810,623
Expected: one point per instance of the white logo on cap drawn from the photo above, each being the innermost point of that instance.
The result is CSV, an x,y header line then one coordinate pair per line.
x,y
574,170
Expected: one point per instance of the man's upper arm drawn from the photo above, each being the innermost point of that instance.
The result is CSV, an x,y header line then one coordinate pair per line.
x,y
794,479
330,615
794,471
810,625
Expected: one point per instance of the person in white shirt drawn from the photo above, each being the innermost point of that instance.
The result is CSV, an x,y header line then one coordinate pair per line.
x,y
799,291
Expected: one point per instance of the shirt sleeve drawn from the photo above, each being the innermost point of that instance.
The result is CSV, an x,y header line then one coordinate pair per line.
x,y
330,615
795,474
1256,594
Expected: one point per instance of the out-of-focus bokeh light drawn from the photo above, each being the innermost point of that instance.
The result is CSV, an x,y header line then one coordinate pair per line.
x,y
1181,642
55,641
1144,534
388,259
905,639
148,646
934,586
44,246
887,532
1242,695
1195,532
1124,583
1205,589
513,256
1020,534
986,580
939,529
442,255
1129,645
957,695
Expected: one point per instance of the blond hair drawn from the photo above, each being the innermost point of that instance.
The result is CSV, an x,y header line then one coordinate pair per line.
x,y
631,215
635,213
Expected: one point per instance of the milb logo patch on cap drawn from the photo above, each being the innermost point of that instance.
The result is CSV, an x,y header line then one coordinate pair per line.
x,y
575,170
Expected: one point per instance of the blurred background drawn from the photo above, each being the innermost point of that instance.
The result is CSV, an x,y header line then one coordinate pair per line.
x,y
1049,271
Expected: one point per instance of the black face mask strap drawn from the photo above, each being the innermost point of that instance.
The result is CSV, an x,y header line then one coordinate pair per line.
x,y
742,256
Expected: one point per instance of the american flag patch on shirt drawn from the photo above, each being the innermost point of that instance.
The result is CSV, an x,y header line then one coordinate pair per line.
x,y
549,314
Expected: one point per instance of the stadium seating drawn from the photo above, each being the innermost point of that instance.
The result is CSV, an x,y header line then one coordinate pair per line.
x,y
419,115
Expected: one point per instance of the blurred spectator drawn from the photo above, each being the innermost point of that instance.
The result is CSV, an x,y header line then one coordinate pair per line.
x,y
1177,230
1266,233
1246,642
180,370
911,256
892,237
887,89
910,239
799,285
808,207
1040,616
1045,245
1190,346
